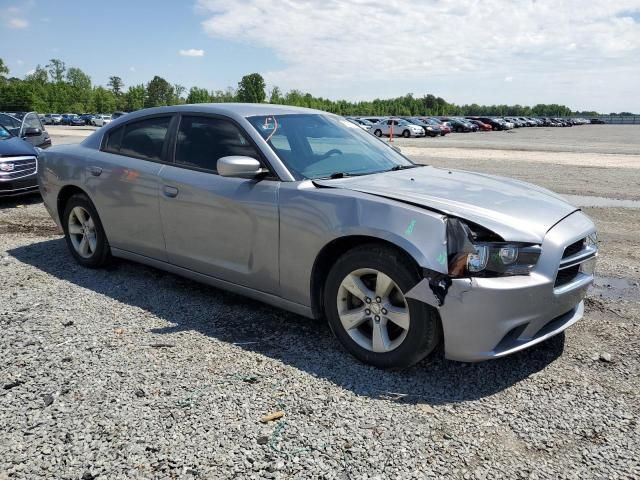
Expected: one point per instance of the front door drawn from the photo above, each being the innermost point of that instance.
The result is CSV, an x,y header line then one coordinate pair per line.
x,y
223,227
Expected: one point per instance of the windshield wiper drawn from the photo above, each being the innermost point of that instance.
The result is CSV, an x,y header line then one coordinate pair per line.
x,y
403,167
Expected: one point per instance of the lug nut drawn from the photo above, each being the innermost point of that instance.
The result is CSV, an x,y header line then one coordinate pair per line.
x,y
368,300
378,299
367,312
384,311
377,318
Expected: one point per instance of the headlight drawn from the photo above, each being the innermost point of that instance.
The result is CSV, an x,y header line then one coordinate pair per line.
x,y
38,150
429,128
474,251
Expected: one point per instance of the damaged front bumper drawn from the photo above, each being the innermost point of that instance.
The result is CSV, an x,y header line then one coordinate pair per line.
x,y
484,318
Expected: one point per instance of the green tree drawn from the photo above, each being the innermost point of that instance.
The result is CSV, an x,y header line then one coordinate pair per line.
x,y
159,93
56,70
178,91
198,95
275,96
251,89
134,98
39,75
4,70
104,101
115,84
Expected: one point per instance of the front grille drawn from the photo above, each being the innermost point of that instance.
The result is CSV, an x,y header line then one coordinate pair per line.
x,y
22,167
572,258
573,248
567,275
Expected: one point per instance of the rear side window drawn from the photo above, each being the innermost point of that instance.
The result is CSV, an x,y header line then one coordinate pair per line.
x,y
144,139
203,140
32,121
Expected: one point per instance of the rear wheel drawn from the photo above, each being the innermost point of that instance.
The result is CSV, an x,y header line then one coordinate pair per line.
x,y
378,133
367,310
83,232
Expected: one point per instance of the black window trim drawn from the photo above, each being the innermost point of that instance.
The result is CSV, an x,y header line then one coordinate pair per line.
x,y
272,175
165,160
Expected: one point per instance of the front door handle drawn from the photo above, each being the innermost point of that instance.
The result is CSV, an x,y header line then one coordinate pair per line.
x,y
169,191
95,171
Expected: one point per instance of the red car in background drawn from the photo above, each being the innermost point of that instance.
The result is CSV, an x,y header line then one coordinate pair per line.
x,y
485,127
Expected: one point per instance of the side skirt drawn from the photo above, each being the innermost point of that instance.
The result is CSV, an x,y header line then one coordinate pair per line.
x,y
216,282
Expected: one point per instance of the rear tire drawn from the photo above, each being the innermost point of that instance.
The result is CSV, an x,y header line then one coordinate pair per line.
x,y
378,324
378,133
84,233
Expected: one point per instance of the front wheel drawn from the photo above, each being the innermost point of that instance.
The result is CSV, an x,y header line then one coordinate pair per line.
x,y
367,310
84,233
406,133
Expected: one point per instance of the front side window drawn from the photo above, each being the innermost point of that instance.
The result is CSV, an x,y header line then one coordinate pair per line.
x,y
202,141
319,146
32,121
144,138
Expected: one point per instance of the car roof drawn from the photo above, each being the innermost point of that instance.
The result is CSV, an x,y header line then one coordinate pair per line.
x,y
231,109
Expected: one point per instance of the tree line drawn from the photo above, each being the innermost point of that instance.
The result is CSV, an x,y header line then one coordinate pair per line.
x,y
55,87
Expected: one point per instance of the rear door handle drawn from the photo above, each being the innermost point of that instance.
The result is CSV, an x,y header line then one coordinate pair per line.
x,y
95,171
169,191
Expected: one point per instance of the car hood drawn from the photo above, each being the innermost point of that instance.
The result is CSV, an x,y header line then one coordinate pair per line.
x,y
515,210
14,146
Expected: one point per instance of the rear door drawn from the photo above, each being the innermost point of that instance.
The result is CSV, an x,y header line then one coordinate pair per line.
x,y
123,179
219,226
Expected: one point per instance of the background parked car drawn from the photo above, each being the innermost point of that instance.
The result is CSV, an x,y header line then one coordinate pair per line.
x,y
458,125
115,115
399,127
18,165
100,120
485,127
28,127
429,129
597,121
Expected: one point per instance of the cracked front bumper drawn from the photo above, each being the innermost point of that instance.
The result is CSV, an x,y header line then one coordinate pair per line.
x,y
485,318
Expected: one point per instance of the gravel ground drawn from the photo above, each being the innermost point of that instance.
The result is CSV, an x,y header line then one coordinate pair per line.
x,y
130,372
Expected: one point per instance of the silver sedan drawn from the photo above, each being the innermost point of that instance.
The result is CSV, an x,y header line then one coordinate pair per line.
x,y
304,210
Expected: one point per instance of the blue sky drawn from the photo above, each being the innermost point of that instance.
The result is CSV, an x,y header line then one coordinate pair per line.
x,y
581,53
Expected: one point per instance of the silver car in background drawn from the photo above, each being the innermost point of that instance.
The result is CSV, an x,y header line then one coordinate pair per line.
x,y
306,211
398,127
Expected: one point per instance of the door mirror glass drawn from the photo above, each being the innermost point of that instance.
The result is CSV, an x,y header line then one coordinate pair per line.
x,y
238,166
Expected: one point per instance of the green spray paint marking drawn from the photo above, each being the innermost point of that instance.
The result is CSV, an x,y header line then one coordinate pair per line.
x,y
409,229
442,259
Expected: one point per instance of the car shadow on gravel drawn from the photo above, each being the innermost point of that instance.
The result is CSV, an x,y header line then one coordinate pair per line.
x,y
19,201
296,341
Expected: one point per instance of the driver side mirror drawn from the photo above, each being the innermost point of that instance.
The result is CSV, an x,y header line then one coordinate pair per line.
x,y
239,166
32,132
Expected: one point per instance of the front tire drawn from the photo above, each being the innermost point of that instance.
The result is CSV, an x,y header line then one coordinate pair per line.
x,y
406,133
84,233
366,307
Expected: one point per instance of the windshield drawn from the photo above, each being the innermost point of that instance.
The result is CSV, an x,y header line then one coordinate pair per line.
x,y
318,146
4,133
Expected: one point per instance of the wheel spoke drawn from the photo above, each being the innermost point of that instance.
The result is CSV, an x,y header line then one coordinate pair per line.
x,y
75,229
380,341
79,214
84,247
384,285
93,242
90,223
398,315
356,287
352,318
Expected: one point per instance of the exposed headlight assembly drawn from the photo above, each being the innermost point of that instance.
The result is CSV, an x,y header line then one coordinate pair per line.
x,y
475,251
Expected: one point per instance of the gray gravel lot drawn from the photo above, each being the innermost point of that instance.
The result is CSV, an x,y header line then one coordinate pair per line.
x,y
130,372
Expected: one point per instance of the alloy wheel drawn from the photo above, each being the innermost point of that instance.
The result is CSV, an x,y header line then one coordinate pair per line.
x,y
82,232
373,310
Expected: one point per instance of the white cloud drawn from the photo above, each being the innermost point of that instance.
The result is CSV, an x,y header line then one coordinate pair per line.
x,y
508,79
192,52
338,48
132,69
17,23
20,62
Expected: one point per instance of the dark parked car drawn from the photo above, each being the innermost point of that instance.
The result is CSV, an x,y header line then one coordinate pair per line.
x,y
430,130
74,120
495,124
18,165
27,126
459,125
597,121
